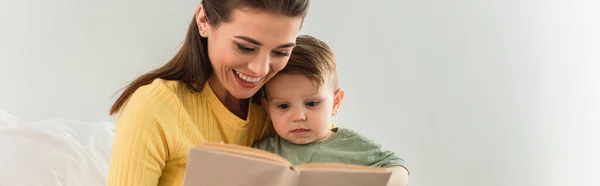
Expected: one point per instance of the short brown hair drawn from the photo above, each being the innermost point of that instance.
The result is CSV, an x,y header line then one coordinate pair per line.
x,y
313,59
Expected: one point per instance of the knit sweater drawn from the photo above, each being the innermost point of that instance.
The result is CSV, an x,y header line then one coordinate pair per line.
x,y
162,121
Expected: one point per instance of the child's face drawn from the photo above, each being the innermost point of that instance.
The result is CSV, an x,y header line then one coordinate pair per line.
x,y
300,111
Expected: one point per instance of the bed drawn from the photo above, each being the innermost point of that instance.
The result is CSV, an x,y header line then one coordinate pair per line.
x,y
54,152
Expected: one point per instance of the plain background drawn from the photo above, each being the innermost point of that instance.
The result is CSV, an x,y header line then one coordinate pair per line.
x,y
469,92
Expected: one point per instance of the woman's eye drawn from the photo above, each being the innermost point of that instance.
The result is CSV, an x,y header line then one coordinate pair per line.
x,y
281,54
312,103
244,49
283,106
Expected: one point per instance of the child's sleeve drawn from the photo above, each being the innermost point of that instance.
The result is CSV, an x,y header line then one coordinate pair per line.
x,y
388,159
378,156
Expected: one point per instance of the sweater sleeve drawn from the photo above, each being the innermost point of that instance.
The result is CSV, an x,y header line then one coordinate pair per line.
x,y
140,147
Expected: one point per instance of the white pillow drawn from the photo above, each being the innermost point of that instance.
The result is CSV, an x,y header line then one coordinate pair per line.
x,y
55,152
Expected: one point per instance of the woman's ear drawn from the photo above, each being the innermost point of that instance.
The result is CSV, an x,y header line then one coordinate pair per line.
x,y
338,96
202,21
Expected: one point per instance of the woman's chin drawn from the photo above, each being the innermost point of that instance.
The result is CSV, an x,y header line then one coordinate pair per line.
x,y
243,93
240,92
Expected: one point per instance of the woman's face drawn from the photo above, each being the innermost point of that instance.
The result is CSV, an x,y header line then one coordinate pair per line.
x,y
249,50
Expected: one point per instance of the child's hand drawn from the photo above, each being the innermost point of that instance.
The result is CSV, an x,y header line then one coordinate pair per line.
x,y
222,142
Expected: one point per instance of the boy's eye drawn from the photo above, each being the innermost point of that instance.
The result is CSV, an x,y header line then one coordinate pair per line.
x,y
312,103
283,106
244,49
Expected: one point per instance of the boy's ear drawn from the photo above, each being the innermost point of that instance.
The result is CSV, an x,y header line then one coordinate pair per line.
x,y
338,96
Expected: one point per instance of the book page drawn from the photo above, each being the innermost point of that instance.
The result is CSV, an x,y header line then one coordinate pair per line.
x,y
342,177
338,166
245,151
208,167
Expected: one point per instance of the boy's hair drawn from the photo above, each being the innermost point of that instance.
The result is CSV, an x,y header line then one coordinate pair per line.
x,y
313,59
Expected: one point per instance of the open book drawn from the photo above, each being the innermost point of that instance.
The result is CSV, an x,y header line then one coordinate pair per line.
x,y
214,164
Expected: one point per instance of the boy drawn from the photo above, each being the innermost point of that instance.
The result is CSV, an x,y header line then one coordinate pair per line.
x,y
301,99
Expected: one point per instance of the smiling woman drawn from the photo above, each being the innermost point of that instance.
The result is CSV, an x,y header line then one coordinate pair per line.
x,y
232,48
250,50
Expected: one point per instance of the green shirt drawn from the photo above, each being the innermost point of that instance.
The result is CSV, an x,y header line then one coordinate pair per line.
x,y
345,146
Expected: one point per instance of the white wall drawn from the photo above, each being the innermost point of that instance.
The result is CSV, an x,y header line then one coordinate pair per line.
x,y
470,93
67,58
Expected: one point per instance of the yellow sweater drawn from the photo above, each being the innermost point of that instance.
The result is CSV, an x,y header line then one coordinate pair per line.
x,y
162,121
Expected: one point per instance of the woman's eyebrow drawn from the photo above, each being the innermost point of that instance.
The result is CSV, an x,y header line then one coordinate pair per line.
x,y
254,41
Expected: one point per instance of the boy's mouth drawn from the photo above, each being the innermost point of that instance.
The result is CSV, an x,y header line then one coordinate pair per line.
x,y
300,132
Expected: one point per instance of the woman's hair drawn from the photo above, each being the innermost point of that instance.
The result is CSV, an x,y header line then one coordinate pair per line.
x,y
191,65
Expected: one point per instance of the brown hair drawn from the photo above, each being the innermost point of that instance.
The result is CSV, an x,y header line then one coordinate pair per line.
x,y
313,59
191,64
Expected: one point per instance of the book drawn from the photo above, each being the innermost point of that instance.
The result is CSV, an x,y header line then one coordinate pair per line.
x,y
215,164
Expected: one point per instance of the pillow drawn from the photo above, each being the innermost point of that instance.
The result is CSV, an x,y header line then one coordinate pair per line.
x,y
57,152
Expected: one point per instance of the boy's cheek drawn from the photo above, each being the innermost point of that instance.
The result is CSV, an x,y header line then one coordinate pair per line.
x,y
279,121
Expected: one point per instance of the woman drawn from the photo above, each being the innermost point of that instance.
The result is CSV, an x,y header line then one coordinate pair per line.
x,y
231,49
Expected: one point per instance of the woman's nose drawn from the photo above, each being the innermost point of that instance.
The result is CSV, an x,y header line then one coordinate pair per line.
x,y
260,65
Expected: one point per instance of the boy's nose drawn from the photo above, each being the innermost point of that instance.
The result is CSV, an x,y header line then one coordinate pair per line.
x,y
299,116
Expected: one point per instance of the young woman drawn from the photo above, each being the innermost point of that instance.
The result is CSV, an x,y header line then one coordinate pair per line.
x,y
204,92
